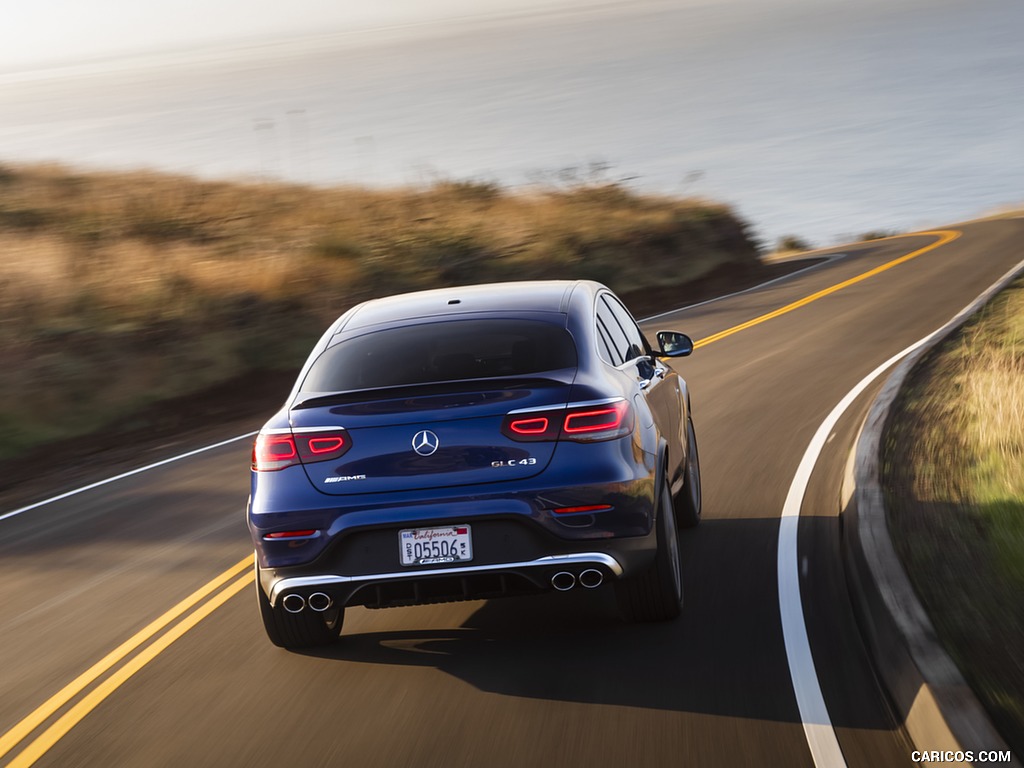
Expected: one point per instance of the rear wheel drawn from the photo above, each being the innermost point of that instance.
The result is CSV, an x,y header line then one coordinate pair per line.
x,y
688,503
657,593
307,629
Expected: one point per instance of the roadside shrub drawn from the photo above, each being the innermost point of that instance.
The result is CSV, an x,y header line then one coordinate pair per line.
x,y
876,234
792,243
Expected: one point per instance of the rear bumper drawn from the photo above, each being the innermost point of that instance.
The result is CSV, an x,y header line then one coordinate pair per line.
x,y
443,584
514,571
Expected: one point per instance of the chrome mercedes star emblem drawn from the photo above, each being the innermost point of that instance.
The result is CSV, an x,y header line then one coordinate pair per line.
x,y
425,442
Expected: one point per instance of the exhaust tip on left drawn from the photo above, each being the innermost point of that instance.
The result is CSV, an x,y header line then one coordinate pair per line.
x,y
563,581
293,603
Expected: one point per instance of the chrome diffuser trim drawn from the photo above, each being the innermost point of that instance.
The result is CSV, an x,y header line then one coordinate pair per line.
x,y
582,558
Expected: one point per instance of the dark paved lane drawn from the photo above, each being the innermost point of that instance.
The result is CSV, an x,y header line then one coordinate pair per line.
x,y
555,681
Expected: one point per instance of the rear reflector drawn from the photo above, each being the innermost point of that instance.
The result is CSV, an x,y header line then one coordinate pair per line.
x,y
576,510
273,451
290,534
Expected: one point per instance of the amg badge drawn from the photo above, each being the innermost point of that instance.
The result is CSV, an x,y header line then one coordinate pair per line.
x,y
344,478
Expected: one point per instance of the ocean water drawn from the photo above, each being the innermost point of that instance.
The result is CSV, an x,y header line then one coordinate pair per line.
x,y
815,118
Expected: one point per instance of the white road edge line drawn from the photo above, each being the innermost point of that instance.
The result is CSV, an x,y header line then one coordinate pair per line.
x,y
818,728
123,475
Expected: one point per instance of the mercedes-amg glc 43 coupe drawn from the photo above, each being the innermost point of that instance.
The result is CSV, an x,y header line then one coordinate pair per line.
x,y
475,442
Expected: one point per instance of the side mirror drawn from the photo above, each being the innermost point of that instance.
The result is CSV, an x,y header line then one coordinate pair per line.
x,y
674,344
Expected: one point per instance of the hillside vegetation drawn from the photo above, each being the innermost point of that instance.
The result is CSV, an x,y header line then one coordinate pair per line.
x,y
118,290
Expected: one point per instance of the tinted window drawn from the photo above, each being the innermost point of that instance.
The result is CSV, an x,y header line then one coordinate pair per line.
x,y
619,342
635,346
605,346
445,351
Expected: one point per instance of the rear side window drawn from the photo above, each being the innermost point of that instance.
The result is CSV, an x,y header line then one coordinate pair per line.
x,y
623,330
445,351
608,350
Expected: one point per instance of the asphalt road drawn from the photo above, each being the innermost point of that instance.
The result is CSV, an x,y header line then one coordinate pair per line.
x,y
558,680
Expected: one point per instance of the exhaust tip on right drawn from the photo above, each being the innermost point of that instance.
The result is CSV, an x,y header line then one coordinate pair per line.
x,y
320,602
563,581
591,578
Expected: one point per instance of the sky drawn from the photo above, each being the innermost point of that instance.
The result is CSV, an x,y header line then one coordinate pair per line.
x,y
53,32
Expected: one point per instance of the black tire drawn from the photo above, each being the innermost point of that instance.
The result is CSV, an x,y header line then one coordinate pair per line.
x,y
657,593
688,503
307,629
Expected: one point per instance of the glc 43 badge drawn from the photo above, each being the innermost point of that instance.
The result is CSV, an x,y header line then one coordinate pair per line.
x,y
514,463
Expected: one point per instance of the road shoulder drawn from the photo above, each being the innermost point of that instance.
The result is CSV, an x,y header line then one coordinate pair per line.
x,y
931,697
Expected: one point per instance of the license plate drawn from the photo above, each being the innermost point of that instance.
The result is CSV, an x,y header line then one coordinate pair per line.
x,y
424,546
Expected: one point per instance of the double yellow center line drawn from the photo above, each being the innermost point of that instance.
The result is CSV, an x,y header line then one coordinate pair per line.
x,y
215,594
73,716
944,235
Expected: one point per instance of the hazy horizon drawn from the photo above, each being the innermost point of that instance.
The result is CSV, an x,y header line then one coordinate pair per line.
x,y
816,117
65,33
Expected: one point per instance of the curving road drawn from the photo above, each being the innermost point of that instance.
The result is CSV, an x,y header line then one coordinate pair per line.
x,y
130,634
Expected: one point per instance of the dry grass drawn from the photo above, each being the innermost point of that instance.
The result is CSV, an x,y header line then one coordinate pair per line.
x,y
121,289
955,472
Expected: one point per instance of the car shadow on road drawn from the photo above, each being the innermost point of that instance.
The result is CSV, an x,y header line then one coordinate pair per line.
x,y
725,656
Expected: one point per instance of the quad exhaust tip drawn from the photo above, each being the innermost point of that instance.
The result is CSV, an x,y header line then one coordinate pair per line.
x,y
319,602
563,581
293,603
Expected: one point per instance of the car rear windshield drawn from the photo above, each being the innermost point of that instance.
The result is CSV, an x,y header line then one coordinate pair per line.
x,y
451,350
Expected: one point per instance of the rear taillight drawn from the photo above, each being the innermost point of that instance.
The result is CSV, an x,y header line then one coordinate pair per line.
x,y
277,450
581,422
271,452
596,420
530,426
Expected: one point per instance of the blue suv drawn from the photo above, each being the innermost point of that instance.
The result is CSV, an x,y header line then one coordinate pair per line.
x,y
469,443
